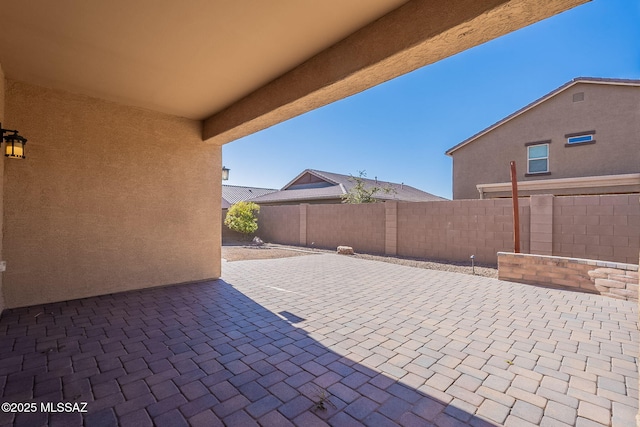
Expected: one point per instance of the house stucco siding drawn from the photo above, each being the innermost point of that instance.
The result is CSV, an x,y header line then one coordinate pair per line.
x,y
2,95
613,111
110,198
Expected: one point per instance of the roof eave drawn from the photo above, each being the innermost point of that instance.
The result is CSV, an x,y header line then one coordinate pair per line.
x,y
588,80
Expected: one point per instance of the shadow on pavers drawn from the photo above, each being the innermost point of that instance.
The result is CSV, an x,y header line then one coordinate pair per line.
x,y
194,354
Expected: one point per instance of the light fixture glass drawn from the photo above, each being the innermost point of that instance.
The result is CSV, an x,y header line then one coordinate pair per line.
x,y
14,143
14,147
225,173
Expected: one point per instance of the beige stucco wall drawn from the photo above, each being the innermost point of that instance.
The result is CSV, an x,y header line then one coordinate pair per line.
x,y
612,111
110,198
2,83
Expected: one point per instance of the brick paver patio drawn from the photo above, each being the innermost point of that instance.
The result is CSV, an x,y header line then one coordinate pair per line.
x,y
374,343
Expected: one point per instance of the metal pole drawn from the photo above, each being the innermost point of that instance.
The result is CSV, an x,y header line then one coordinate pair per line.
x,y
516,212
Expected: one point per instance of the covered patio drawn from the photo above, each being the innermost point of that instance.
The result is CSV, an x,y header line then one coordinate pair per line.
x,y
326,340
125,106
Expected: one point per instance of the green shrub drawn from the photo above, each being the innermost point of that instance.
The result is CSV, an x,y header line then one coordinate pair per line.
x,y
241,217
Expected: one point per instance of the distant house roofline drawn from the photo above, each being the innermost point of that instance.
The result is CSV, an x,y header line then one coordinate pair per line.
x,y
234,193
340,185
590,80
340,179
249,187
314,172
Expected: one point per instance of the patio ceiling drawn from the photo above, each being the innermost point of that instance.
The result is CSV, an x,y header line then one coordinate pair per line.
x,y
187,58
242,65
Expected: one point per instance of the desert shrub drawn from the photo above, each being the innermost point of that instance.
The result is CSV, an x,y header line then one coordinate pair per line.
x,y
241,217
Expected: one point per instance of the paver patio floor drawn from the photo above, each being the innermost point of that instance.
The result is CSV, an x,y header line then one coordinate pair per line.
x,y
375,343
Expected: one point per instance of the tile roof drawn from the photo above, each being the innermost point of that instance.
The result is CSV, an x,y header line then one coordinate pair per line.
x,y
593,80
339,184
235,193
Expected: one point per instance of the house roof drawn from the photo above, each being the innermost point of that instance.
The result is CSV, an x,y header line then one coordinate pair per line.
x,y
588,80
334,185
234,193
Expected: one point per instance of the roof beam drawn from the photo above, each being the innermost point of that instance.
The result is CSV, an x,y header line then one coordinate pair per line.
x,y
418,33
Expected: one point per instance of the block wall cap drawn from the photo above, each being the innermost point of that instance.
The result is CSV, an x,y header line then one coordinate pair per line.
x,y
597,263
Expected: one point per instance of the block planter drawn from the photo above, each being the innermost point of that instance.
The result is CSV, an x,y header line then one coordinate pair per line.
x,y
615,280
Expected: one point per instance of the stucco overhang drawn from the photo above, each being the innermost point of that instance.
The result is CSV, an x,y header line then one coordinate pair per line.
x,y
563,183
241,66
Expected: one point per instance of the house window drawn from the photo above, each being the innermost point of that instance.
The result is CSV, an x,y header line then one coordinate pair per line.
x,y
538,158
580,138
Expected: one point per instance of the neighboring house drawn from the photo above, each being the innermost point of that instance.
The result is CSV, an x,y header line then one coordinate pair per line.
x,y
234,193
582,138
314,186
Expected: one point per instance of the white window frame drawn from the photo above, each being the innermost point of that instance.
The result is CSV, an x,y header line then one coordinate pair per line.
x,y
537,158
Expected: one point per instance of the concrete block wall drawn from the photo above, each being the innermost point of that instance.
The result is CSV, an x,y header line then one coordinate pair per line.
x,y
455,230
279,224
391,228
616,280
620,282
541,229
597,227
359,226
550,271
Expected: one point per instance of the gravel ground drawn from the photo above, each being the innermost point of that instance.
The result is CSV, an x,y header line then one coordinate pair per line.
x,y
268,251
435,265
247,252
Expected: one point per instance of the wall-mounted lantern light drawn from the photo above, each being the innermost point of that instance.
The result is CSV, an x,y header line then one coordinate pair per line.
x,y
15,143
225,173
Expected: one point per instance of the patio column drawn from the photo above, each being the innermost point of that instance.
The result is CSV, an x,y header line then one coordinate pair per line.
x,y
391,228
303,224
541,237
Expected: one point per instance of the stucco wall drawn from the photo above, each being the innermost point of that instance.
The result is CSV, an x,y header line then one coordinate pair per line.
x,y
2,83
612,111
110,198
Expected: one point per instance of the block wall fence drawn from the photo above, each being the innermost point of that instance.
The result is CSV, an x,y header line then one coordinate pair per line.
x,y
596,227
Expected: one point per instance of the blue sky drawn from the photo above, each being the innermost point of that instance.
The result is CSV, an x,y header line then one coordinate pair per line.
x,y
398,131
